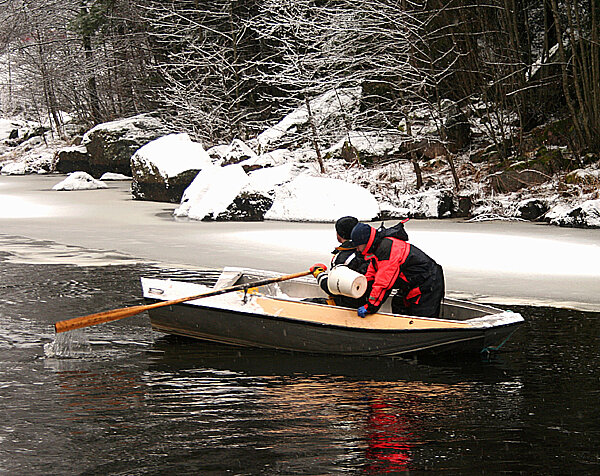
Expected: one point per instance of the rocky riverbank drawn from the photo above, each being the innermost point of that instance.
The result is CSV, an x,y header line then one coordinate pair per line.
x,y
279,176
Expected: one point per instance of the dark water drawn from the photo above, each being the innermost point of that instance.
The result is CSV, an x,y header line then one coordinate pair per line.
x,y
136,402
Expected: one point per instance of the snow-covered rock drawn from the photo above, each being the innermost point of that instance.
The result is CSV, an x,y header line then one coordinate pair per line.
x,y
108,176
79,181
429,204
217,153
270,159
165,167
320,199
237,152
266,180
531,209
212,191
328,111
588,176
585,215
72,159
34,161
112,144
247,206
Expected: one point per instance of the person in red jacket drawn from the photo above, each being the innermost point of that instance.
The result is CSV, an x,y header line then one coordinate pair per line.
x,y
395,264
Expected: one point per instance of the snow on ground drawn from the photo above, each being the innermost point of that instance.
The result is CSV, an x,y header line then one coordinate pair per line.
x,y
334,100
7,126
79,181
320,199
34,157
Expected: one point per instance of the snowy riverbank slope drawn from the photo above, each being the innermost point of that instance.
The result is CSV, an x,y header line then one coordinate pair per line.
x,y
299,191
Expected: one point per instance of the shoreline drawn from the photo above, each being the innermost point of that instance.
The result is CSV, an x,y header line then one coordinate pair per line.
x,y
504,263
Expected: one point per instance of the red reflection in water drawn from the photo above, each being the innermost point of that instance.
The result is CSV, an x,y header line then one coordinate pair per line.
x,y
388,438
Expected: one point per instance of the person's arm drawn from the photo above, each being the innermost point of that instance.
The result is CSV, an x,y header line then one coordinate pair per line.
x,y
319,271
383,281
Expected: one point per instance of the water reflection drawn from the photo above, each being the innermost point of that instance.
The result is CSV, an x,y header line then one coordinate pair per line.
x,y
141,403
390,438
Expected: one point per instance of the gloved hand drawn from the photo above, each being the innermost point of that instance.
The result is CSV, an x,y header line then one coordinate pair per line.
x,y
362,311
317,269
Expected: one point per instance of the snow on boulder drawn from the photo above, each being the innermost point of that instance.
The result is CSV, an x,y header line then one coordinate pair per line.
x,y
589,176
320,199
165,167
266,180
328,111
237,152
111,144
217,153
79,181
108,176
255,200
586,215
211,192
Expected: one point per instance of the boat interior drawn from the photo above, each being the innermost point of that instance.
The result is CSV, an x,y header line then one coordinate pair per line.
x,y
306,288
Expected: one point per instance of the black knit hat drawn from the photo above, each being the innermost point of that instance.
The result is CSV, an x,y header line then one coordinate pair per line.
x,y
344,226
360,234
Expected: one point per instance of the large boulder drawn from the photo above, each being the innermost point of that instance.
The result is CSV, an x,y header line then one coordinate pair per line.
x,y
228,193
321,199
110,145
238,151
513,180
212,192
72,159
165,167
585,215
247,206
367,147
531,209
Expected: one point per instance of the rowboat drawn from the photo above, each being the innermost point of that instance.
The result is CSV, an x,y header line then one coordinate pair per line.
x,y
294,316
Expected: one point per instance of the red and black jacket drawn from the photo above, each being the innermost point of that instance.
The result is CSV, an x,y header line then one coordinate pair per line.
x,y
396,264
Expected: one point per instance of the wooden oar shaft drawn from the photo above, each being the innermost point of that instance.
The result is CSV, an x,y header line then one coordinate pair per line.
x,y
116,314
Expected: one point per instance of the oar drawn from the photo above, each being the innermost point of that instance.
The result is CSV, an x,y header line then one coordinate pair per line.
x,y
115,314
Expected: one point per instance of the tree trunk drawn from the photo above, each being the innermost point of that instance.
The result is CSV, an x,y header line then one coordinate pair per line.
x,y
91,81
453,170
315,136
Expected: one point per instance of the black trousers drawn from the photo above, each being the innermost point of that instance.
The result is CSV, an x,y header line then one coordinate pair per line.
x,y
430,303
